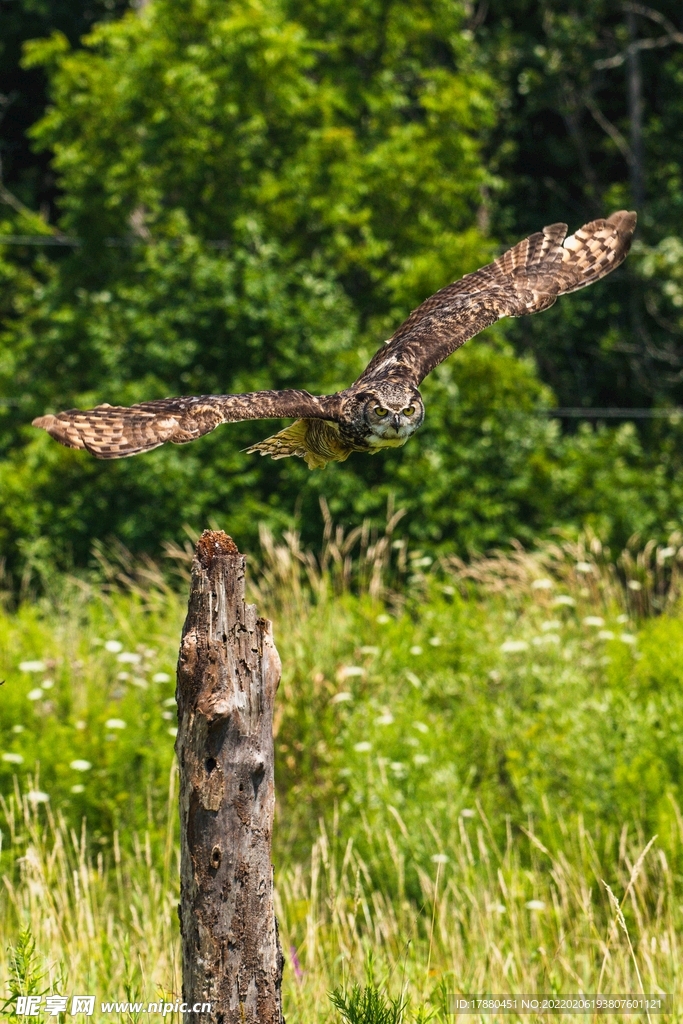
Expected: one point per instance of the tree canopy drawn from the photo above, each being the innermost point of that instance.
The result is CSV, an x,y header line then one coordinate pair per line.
x,y
261,192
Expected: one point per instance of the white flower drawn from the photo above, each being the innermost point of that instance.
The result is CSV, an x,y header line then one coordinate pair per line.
x,y
161,677
412,678
665,553
420,726
385,719
398,767
35,694
17,728
47,684
340,697
347,671
542,585
122,676
499,908
13,758
168,716
440,858
420,759
564,599
467,812
594,620
169,702
80,766
113,646
584,567
634,585
535,905
78,788
140,682
627,638
172,732
435,641
80,725
416,649
551,624
383,619
605,634
36,796
128,658
547,638
115,723
362,747
513,646
31,666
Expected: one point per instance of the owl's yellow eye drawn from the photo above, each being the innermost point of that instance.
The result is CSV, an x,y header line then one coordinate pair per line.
x,y
379,411
409,411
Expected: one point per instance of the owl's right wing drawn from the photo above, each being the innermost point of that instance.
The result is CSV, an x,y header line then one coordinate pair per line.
x,y
113,432
526,279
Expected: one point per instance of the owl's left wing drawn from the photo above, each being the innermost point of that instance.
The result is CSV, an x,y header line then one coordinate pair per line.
x,y
526,279
114,432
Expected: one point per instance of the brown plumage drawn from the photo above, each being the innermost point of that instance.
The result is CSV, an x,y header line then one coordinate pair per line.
x,y
383,407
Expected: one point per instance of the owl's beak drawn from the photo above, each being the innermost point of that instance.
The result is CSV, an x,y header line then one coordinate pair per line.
x,y
396,420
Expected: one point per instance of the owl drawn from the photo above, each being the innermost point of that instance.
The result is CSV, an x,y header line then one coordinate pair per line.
x,y
383,408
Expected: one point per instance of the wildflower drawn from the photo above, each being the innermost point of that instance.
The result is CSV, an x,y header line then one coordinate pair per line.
x,y
499,908
535,905
161,677
435,641
36,796
584,567
594,620
416,649
169,702
550,624
440,858
122,676
362,747
347,671
513,646
172,732
386,719
78,788
32,666
115,723
383,619
128,658
634,585
564,599
467,812
420,759
413,679
80,766
340,697
397,767
47,684
627,638
542,585
420,726
113,646
35,694
605,634
13,758
17,728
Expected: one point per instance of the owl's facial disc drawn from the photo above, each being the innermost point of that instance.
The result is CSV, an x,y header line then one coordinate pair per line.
x,y
392,418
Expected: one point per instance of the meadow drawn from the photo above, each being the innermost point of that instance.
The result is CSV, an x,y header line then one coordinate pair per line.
x,y
478,774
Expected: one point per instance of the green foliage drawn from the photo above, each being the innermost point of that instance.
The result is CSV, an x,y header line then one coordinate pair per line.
x,y
367,1005
25,971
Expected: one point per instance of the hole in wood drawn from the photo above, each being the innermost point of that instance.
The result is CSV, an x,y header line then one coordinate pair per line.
x,y
210,764
216,858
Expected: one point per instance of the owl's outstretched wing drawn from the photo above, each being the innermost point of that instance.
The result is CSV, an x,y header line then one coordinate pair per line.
x,y
113,432
526,279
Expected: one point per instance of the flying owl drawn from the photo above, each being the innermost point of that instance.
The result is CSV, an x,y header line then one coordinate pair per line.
x,y
383,408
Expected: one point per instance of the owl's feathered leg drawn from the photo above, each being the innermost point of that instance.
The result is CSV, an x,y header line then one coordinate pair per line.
x,y
313,440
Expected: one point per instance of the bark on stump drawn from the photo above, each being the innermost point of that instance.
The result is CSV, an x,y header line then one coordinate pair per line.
x,y
228,672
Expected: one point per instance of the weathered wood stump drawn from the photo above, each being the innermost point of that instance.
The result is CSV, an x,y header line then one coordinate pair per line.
x,y
228,672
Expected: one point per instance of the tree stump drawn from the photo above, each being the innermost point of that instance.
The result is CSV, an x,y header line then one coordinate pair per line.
x,y
228,672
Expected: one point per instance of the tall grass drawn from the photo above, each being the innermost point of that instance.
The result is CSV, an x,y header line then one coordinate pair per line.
x,y
469,759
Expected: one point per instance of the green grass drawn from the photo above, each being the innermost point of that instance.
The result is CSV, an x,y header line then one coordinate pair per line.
x,y
467,756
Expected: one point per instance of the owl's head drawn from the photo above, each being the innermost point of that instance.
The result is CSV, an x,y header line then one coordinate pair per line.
x,y
392,414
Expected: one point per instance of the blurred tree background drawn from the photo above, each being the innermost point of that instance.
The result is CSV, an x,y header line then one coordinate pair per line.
x,y
262,191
